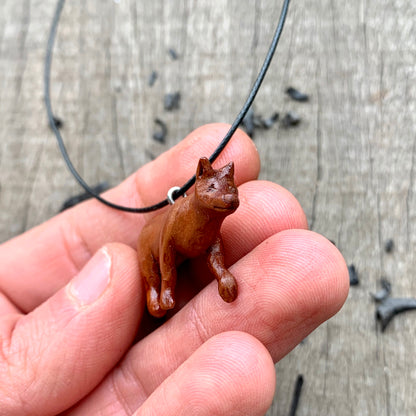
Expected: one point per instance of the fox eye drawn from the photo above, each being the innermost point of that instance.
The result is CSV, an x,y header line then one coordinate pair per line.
x,y
212,187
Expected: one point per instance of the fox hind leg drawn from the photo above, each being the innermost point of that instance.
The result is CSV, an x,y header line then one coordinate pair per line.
x,y
149,267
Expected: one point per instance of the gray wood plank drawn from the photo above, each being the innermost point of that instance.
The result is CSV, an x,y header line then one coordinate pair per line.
x,y
350,162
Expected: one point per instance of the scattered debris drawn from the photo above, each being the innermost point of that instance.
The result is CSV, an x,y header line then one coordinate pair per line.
x,y
149,154
248,122
384,292
152,79
296,395
74,200
267,123
290,119
58,122
252,121
354,281
389,245
173,54
390,307
296,95
172,101
160,135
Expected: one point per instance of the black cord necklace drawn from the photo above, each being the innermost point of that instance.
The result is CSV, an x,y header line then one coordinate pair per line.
x,y
219,149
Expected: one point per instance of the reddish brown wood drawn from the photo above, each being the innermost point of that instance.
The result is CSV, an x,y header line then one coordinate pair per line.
x,y
190,228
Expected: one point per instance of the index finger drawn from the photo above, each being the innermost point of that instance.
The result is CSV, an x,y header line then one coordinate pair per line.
x,y
36,264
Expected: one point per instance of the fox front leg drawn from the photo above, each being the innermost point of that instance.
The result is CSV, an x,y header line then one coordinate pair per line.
x,y
227,285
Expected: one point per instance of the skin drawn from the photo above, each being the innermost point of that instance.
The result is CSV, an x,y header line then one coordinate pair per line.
x,y
66,327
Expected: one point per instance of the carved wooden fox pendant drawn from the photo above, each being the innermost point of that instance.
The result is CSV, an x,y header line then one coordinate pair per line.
x,y
190,228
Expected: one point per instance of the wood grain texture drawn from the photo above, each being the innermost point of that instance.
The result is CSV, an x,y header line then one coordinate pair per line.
x,y
351,161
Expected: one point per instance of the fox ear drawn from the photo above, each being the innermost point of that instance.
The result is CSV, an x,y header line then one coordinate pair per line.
x,y
204,167
228,169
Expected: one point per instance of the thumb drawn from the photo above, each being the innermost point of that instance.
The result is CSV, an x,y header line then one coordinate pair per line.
x,y
54,356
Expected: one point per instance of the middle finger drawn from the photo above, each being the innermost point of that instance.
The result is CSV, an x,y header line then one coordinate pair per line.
x,y
265,209
290,284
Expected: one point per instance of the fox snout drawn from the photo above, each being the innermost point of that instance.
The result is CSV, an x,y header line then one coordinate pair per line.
x,y
231,200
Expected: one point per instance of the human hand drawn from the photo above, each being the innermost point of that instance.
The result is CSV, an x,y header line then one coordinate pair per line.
x,y
72,302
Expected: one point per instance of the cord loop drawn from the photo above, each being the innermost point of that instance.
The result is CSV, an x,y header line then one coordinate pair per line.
x,y
219,149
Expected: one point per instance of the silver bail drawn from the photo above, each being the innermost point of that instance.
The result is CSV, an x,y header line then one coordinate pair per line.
x,y
171,192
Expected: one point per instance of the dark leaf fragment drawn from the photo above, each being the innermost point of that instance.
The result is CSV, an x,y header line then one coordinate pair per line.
x,y
267,123
251,121
291,119
354,281
172,101
160,135
248,122
149,154
390,307
152,79
173,54
296,395
297,95
384,292
389,245
57,122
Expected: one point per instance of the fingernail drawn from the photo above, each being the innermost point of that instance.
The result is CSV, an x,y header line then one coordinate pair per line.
x,y
93,279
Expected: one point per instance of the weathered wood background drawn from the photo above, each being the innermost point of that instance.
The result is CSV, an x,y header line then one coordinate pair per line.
x,y
350,162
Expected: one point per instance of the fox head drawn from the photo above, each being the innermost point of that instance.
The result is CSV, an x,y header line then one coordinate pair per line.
x,y
215,189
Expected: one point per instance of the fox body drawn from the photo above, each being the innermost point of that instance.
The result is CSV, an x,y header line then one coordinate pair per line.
x,y
189,229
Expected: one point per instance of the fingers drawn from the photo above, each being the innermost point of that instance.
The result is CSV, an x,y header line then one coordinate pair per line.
x,y
265,209
6,307
59,248
62,350
231,374
288,285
